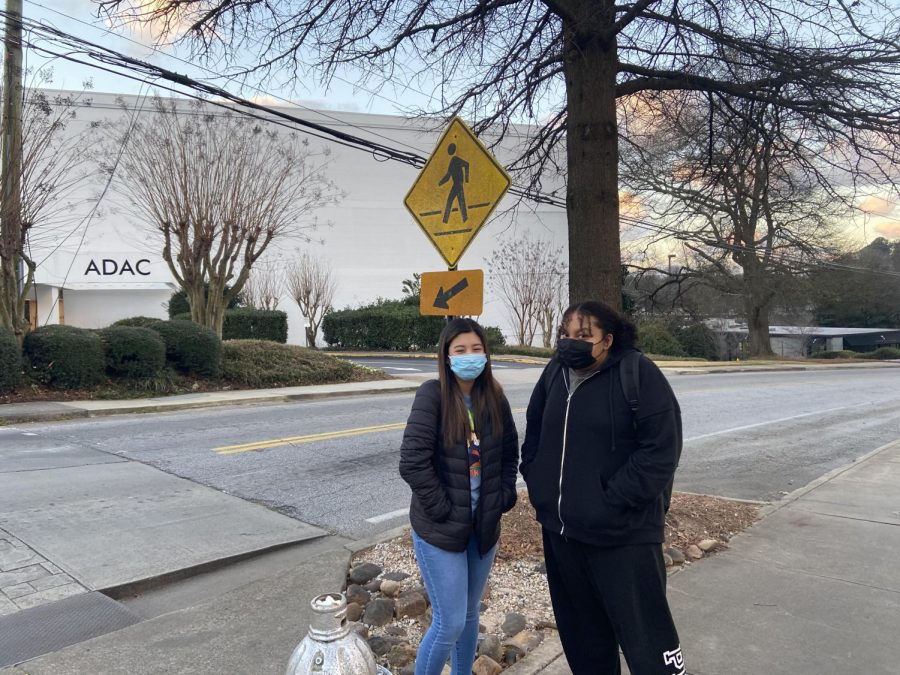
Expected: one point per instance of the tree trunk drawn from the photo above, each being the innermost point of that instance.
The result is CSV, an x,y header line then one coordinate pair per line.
x,y
756,306
311,336
592,143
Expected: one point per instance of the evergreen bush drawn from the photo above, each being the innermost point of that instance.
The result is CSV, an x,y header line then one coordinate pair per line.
x,y
137,322
655,336
132,351
10,361
255,324
387,325
65,357
698,340
191,348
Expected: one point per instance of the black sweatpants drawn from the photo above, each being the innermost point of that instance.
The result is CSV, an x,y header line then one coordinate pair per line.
x,y
604,598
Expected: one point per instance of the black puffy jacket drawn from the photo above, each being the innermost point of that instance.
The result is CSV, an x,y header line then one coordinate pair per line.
x,y
596,472
441,508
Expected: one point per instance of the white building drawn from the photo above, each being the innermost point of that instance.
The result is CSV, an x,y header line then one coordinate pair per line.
x,y
104,267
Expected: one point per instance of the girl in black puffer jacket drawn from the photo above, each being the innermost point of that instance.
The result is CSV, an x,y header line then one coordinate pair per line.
x,y
459,457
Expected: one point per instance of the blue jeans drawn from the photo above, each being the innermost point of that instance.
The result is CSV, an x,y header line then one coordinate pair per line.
x,y
455,583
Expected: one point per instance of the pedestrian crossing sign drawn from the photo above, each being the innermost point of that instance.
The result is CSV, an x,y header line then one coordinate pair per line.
x,y
456,191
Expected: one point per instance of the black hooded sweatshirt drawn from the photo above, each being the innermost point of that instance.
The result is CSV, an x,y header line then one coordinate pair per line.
x,y
597,473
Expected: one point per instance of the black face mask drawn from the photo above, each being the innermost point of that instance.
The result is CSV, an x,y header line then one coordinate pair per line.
x,y
575,353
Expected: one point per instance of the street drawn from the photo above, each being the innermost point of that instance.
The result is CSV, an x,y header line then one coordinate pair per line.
x,y
333,463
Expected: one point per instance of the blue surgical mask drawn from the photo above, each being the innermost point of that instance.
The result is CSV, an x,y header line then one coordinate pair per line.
x,y
468,366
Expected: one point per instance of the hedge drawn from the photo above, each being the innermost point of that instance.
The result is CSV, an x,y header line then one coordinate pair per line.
x,y
191,348
65,357
261,363
884,353
137,322
132,351
389,326
255,324
10,361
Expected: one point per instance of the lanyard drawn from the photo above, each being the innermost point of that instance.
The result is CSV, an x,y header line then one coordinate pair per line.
x,y
471,420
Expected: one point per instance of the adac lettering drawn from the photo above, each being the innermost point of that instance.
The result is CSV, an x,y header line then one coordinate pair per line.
x,y
109,267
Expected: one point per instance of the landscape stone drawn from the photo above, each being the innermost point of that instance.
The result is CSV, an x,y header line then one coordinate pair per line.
x,y
373,586
395,576
490,646
364,573
360,629
379,612
401,654
513,623
358,594
398,631
667,559
425,619
408,669
379,645
411,604
523,641
676,555
354,611
390,588
708,545
694,552
485,665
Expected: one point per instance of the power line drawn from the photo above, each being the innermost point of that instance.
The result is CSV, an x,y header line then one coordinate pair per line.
x,y
113,58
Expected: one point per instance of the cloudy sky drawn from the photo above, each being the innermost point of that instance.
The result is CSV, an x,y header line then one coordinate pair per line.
x,y
79,17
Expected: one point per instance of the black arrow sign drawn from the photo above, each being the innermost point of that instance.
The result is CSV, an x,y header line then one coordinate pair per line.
x,y
443,298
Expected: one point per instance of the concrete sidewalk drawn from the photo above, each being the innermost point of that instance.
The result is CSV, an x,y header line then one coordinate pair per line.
x,y
812,588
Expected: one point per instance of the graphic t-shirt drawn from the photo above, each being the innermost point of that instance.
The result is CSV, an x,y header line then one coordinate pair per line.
x,y
474,456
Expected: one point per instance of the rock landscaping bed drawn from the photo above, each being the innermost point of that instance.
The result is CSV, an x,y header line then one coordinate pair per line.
x,y
389,605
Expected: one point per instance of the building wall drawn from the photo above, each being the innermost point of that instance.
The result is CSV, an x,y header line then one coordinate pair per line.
x,y
369,239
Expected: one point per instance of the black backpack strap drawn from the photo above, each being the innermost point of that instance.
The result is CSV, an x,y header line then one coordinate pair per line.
x,y
629,373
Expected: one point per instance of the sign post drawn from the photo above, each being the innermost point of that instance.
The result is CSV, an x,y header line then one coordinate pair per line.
x,y
452,197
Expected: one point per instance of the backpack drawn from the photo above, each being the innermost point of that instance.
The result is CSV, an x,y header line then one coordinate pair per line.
x,y
629,377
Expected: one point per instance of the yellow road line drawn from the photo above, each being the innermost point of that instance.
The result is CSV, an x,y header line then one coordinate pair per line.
x,y
310,438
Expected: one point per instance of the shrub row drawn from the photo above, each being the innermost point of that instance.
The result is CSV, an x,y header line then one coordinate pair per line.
x,y
250,324
386,325
882,353
74,358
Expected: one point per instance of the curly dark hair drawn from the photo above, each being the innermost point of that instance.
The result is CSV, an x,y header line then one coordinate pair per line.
x,y
623,331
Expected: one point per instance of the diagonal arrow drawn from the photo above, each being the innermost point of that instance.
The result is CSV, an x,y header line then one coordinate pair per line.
x,y
443,298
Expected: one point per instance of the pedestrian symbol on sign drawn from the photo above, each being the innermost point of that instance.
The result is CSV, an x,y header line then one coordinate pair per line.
x,y
458,173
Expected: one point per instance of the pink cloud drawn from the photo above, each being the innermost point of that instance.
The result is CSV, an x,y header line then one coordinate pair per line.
x,y
877,206
889,230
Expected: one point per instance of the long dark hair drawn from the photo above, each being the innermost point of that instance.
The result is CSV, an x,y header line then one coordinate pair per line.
x,y
623,331
487,394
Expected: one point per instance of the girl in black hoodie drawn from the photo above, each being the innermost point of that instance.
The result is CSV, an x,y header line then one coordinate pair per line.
x,y
599,476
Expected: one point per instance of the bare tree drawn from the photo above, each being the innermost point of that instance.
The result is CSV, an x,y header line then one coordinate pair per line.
x,y
55,162
751,209
553,301
264,288
564,64
217,189
312,286
528,276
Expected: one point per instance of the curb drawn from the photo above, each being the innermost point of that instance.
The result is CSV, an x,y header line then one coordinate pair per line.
x,y
792,497
77,412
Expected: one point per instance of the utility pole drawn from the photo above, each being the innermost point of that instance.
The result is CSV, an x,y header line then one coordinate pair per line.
x,y
11,170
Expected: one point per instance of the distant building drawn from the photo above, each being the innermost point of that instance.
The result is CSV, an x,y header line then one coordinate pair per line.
x,y
108,266
802,341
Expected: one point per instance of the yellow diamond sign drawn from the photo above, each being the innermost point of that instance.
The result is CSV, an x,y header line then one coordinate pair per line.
x,y
457,191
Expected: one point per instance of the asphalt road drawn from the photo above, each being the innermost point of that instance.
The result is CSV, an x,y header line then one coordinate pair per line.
x,y
333,462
